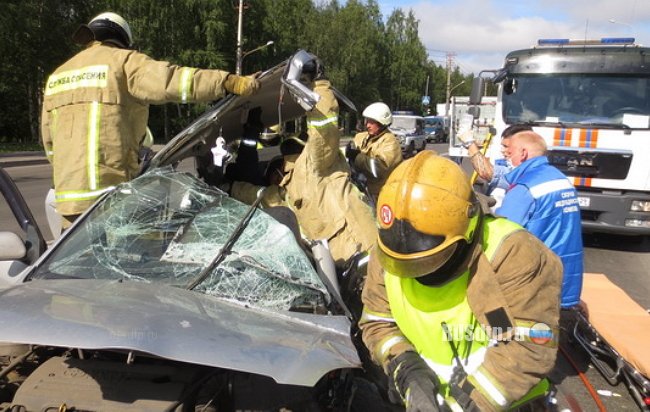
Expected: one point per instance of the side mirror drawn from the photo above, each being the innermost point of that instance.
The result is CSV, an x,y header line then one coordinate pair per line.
x,y
475,111
12,246
478,85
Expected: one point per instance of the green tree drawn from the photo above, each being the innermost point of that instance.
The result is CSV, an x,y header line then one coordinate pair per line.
x,y
35,39
407,68
367,57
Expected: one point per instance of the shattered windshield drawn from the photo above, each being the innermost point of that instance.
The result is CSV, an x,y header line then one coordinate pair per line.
x,y
166,227
618,101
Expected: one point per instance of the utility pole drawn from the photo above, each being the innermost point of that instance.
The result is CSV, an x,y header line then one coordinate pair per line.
x,y
239,35
450,63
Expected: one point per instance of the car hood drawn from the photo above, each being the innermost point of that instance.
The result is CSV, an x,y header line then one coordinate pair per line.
x,y
283,95
176,324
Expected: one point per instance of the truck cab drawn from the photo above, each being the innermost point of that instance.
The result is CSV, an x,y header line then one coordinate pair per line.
x,y
590,100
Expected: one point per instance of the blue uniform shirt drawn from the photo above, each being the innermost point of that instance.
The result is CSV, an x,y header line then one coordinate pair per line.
x,y
543,200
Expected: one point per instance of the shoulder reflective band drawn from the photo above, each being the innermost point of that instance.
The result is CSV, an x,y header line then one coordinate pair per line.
x,y
185,88
90,76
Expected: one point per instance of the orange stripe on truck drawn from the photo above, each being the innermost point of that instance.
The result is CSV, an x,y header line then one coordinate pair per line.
x,y
588,138
582,181
562,137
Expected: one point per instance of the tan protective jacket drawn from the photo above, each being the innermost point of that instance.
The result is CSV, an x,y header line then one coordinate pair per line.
x,y
319,190
378,157
247,193
95,113
524,279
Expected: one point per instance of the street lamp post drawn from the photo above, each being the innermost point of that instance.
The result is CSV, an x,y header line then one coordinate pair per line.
x,y
239,34
241,56
449,97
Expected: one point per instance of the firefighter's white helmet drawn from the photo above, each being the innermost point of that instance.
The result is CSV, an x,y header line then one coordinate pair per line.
x,y
379,112
111,26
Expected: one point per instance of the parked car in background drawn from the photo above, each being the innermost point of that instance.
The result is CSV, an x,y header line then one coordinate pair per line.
x,y
409,130
167,294
437,128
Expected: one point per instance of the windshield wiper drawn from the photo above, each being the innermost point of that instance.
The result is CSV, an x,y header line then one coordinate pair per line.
x,y
228,245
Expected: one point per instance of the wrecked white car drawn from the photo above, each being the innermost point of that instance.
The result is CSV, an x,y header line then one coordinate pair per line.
x,y
168,295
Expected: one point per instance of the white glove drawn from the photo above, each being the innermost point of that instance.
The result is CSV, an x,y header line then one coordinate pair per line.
x,y
465,132
219,152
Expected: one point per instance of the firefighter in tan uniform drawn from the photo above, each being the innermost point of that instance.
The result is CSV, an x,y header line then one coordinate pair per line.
x,y
461,308
96,107
375,152
318,187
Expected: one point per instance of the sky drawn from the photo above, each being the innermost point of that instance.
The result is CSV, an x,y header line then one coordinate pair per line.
x,y
479,33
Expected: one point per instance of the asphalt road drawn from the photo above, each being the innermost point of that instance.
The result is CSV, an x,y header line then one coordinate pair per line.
x,y
626,262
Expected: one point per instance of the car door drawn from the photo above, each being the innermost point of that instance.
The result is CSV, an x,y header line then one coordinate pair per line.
x,y
18,250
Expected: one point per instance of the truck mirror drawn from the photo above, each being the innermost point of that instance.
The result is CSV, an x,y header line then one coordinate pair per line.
x,y
475,111
478,85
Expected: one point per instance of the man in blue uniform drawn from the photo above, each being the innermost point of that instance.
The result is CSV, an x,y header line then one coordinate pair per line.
x,y
544,201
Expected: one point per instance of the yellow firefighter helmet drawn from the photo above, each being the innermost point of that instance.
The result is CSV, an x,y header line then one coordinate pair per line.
x,y
425,208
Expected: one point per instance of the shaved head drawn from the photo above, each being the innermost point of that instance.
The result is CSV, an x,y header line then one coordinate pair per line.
x,y
526,145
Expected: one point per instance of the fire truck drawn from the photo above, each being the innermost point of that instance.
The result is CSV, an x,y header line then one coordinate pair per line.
x,y
590,101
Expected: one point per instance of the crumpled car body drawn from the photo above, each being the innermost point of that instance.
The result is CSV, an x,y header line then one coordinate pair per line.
x,y
168,294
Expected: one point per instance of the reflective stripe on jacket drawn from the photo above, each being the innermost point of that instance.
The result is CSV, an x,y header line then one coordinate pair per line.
x,y
95,112
544,201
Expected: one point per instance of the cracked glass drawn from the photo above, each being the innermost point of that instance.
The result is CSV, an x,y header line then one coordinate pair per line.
x,y
167,227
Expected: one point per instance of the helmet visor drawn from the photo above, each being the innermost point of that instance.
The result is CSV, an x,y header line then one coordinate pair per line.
x,y
401,237
414,268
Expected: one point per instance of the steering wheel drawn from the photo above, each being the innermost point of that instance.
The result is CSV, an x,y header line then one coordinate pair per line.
x,y
627,109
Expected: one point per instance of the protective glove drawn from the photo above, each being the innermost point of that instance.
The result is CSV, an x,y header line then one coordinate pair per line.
x,y
466,138
413,383
460,388
351,151
241,85
465,132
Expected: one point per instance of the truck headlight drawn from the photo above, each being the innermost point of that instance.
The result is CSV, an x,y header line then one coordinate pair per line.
x,y
640,206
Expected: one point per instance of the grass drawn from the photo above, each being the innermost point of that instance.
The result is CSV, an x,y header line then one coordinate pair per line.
x,y
9,147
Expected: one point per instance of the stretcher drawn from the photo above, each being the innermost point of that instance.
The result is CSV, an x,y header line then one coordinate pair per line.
x,y
615,331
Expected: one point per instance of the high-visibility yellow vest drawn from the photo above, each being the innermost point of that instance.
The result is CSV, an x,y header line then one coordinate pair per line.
x,y
420,311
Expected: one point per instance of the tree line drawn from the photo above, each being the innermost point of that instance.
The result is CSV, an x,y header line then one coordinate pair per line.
x,y
367,56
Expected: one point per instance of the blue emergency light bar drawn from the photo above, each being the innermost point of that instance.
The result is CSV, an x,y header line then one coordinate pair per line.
x,y
568,42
